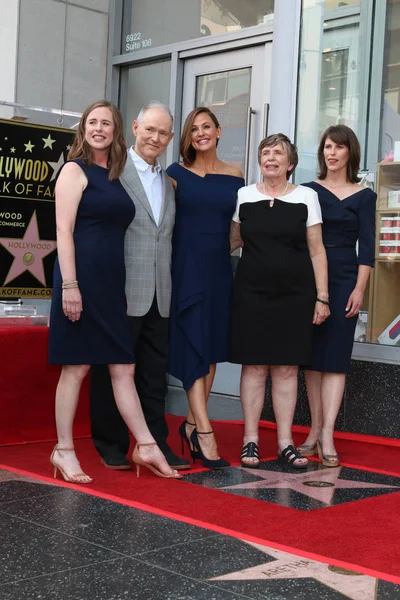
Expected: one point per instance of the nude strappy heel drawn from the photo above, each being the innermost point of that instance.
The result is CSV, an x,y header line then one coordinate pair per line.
x,y
73,478
139,462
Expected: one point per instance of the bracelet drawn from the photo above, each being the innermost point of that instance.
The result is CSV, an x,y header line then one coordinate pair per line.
x,y
323,301
66,285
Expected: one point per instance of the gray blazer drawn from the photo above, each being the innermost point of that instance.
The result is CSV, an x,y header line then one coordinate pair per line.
x,y
148,246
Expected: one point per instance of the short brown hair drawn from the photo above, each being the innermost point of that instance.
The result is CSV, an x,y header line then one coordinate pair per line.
x,y
341,134
187,151
280,138
117,154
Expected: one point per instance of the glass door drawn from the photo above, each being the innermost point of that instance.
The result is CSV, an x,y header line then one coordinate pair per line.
x,y
235,85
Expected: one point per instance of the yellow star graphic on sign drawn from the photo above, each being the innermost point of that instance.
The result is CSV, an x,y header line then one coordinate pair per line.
x,y
12,150
48,142
29,146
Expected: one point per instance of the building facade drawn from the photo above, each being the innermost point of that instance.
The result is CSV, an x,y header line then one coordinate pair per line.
x,y
53,59
296,67
263,66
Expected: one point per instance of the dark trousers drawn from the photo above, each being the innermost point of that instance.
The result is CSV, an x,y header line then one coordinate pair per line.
x,y
150,346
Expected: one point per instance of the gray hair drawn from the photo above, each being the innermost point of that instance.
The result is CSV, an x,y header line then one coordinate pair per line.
x,y
291,149
155,104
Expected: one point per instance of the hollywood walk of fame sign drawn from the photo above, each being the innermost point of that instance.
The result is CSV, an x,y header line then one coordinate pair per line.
x,y
30,158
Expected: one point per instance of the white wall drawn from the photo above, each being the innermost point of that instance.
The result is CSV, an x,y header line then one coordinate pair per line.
x,y
8,53
51,75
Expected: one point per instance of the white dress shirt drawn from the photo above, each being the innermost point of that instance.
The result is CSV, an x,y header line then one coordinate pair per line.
x,y
152,182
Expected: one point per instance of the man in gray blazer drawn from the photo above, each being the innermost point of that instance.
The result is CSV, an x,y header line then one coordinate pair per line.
x,y
148,244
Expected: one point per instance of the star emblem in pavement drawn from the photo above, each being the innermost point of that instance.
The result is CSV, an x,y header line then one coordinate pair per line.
x,y
56,166
354,586
28,252
319,485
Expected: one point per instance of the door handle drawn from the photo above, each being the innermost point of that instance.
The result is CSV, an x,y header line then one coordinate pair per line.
x,y
265,127
265,120
250,113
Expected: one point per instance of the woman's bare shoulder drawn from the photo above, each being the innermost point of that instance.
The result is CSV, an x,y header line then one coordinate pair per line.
x,y
231,170
70,174
72,167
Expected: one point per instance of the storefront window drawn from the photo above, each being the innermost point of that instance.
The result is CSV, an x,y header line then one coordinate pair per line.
x,y
333,75
152,23
390,133
139,86
337,45
333,89
385,323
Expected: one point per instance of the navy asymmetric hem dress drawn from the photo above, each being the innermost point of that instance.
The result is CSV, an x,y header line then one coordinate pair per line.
x,y
101,335
344,223
201,272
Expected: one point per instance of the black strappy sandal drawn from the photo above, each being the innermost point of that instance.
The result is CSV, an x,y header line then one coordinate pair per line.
x,y
250,450
289,455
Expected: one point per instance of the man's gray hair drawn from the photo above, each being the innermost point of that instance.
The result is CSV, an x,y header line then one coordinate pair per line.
x,y
155,104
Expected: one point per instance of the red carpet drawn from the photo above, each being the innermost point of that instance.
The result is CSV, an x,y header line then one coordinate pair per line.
x,y
27,388
365,533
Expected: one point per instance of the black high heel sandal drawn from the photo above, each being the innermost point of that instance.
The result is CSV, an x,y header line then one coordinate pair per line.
x,y
218,463
194,453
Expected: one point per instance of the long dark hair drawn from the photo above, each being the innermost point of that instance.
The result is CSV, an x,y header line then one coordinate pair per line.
x,y
117,155
187,151
341,134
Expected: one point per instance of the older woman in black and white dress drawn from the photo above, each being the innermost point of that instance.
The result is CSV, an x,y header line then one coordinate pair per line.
x,y
280,290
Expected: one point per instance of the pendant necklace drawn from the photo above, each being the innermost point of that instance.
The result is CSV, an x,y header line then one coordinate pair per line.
x,y
271,202
341,185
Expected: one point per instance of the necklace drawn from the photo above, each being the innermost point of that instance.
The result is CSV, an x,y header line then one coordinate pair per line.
x,y
334,187
272,200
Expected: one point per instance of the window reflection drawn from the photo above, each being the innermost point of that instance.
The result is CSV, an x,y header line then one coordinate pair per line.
x,y
391,84
333,75
228,95
155,23
139,86
331,4
333,94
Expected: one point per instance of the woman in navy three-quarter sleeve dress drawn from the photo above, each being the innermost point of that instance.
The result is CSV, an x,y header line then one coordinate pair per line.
x,y
348,213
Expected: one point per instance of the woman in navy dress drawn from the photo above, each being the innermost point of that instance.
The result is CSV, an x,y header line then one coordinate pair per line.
x,y
206,191
348,213
88,323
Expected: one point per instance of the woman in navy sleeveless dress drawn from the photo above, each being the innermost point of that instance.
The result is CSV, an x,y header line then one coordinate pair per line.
x,y
88,323
348,213
101,335
206,192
